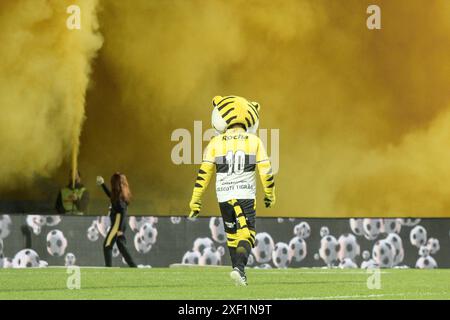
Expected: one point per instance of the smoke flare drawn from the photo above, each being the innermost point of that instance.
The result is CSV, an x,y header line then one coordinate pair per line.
x,y
45,74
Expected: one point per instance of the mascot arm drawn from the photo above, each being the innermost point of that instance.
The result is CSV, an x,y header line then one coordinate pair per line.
x,y
203,178
266,175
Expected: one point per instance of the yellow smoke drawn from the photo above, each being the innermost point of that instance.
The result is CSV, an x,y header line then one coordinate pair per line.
x,y
363,114
44,75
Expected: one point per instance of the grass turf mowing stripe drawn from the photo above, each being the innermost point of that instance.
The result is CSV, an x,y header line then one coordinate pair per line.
x,y
214,283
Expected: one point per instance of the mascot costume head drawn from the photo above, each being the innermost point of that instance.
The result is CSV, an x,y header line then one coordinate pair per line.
x,y
231,110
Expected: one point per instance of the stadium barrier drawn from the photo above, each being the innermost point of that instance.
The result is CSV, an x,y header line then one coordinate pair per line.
x,y
165,241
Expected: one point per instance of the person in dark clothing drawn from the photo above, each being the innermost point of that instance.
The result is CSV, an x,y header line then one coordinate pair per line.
x,y
120,196
74,198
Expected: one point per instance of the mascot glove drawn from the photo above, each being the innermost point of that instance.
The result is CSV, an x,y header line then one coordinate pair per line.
x,y
195,206
269,200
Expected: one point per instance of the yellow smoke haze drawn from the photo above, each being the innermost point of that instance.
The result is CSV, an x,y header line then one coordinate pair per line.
x,y
363,114
43,80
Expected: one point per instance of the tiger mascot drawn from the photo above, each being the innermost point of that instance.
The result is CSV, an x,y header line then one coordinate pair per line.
x,y
231,110
235,153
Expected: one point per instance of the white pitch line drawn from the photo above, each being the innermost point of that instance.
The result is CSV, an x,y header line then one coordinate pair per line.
x,y
322,272
161,270
368,296
111,270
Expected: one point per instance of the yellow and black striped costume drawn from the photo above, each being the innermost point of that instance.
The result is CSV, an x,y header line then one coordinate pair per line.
x,y
235,155
230,110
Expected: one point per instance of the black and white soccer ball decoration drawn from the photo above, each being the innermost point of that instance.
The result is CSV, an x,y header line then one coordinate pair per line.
x,y
201,244
383,253
365,255
425,261
149,233
302,230
7,263
217,230
35,222
357,226
140,244
348,263
92,232
153,220
5,226
391,226
396,241
328,251
409,222
56,243
26,258
348,247
297,249
372,228
368,263
280,255
263,248
324,231
433,245
175,220
210,257
418,236
115,251
191,257
70,259
424,251
52,221
145,238
136,223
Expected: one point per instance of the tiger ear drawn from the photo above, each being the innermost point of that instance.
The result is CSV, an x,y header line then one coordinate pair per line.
x,y
216,100
256,105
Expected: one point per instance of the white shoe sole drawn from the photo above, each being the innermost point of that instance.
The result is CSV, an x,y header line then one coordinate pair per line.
x,y
236,277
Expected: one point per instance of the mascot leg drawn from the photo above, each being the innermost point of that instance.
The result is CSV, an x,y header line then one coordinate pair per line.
x,y
231,229
245,236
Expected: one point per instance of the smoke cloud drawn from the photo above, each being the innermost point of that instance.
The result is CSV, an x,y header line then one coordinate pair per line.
x,y
44,75
363,114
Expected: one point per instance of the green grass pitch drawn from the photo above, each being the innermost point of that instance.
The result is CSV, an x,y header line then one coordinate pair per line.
x,y
214,283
